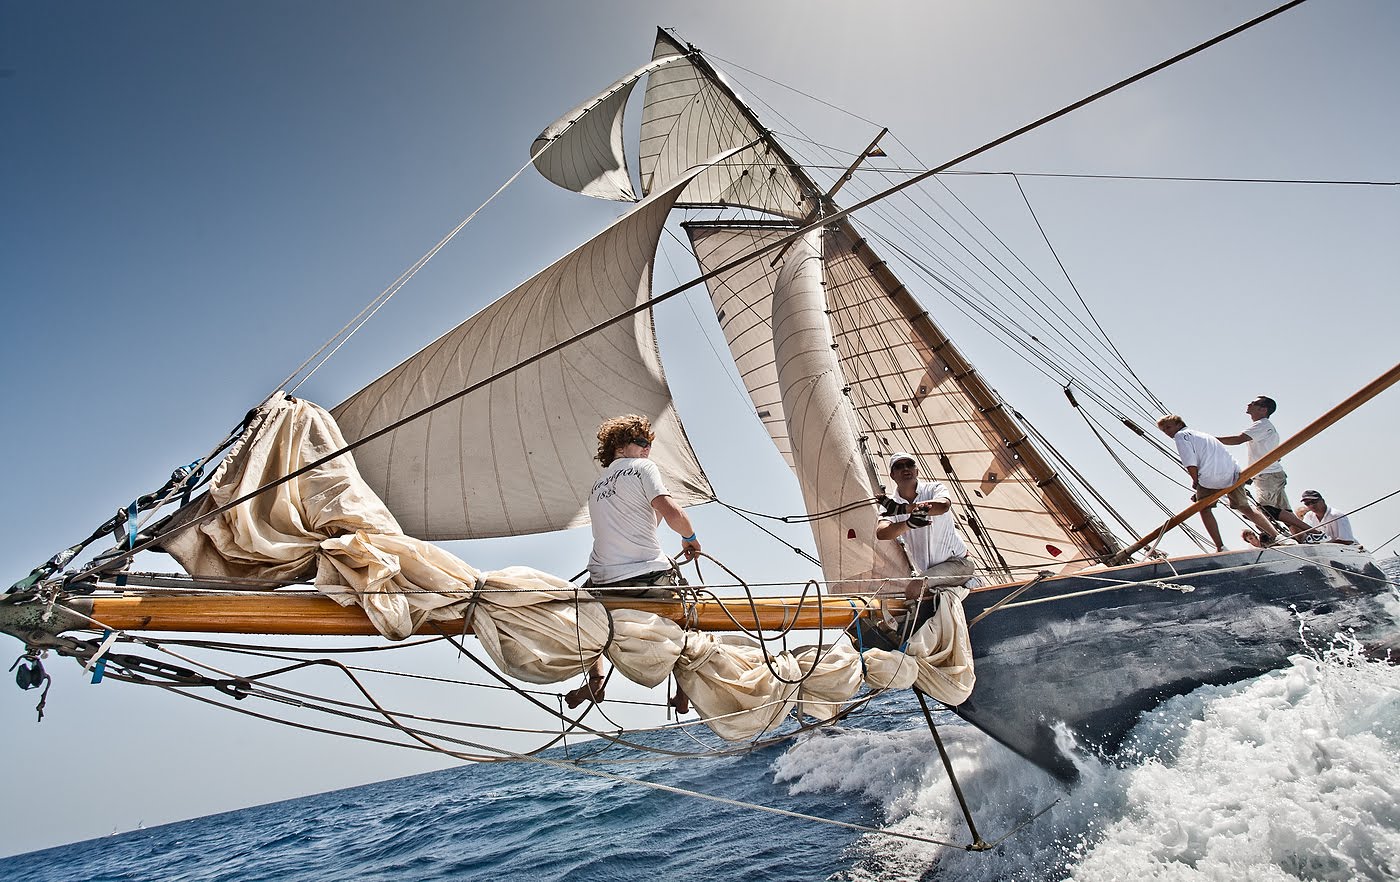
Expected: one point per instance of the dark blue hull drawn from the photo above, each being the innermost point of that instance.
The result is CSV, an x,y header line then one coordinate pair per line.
x,y
1096,650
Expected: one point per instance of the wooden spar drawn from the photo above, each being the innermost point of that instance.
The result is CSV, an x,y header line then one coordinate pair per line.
x,y
1063,504
1365,394
316,615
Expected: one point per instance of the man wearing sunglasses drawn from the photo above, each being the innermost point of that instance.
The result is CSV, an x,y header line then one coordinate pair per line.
x,y
920,515
626,505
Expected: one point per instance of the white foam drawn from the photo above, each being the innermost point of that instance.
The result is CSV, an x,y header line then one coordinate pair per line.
x,y
1294,775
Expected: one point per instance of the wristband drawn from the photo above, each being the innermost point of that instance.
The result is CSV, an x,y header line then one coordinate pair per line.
x,y
690,538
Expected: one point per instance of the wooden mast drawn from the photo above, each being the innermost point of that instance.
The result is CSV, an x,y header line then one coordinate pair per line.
x,y
1062,503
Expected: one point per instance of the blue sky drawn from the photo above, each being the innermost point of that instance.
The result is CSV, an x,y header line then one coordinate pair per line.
x,y
194,196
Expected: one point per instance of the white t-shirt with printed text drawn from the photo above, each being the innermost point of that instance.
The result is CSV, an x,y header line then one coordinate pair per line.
x,y
625,543
1335,524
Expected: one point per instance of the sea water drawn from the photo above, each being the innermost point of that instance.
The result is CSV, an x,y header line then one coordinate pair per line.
x,y
1293,775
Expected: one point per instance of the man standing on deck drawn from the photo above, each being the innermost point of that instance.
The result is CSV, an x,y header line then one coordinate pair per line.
x,y
1333,523
1212,468
921,515
1269,485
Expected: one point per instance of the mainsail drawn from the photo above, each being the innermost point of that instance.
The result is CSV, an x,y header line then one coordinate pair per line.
x,y
517,457
825,438
903,395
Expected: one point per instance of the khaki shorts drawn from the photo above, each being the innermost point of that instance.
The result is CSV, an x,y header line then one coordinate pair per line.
x,y
1269,492
1237,498
946,574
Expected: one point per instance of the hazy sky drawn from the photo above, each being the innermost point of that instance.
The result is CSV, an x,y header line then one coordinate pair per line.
x,y
194,196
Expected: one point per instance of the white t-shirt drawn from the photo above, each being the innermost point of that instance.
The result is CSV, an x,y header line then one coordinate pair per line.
x,y
1333,523
1215,467
938,541
1263,437
625,543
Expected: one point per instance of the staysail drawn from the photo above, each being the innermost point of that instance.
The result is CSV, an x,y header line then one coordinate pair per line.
x,y
517,457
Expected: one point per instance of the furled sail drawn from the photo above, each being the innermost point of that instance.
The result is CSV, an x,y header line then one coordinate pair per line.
x,y
903,394
582,150
517,456
831,467
688,117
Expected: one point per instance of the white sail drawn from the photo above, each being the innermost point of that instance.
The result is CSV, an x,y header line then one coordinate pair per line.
x,y
903,394
826,446
517,456
582,150
743,302
686,118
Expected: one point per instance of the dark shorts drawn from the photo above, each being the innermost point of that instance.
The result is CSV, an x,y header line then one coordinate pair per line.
x,y
661,583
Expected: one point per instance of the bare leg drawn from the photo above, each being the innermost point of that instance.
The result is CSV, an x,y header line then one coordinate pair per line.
x,y
1294,523
680,701
592,688
1266,529
1212,528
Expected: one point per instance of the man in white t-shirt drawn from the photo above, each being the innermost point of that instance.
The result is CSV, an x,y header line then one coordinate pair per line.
x,y
1332,522
1269,485
625,506
920,515
1212,468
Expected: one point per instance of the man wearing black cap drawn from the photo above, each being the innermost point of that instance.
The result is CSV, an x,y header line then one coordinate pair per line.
x,y
920,515
1328,519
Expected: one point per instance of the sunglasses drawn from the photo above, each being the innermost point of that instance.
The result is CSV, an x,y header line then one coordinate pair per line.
x,y
640,442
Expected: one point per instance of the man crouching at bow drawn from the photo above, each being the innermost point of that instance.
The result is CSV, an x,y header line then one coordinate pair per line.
x,y
920,516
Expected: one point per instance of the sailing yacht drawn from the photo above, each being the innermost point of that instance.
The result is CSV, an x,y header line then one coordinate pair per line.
x,y
487,432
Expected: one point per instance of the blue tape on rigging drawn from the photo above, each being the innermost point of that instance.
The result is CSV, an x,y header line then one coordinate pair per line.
x,y
101,667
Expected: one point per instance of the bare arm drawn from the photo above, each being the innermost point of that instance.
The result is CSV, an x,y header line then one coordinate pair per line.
x,y
1232,439
676,518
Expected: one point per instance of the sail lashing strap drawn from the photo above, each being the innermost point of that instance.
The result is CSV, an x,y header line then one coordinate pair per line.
x,y
98,663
